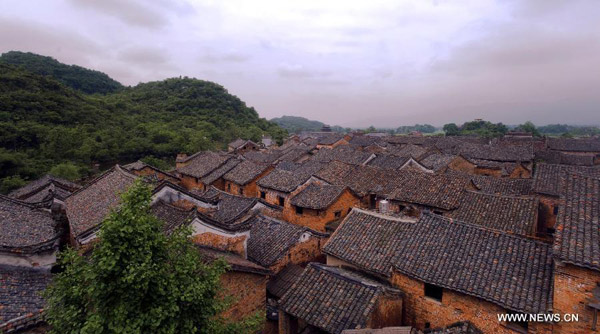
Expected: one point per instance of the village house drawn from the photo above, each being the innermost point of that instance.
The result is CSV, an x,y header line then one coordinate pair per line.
x,y
45,190
192,169
513,214
242,146
142,169
547,185
576,249
241,179
450,271
328,299
583,147
344,154
318,205
286,180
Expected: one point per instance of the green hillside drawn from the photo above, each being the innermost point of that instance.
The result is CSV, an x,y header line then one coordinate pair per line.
x,y
76,77
295,124
48,126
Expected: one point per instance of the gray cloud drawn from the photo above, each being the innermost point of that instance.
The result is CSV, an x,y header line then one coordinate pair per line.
x,y
144,56
130,12
212,57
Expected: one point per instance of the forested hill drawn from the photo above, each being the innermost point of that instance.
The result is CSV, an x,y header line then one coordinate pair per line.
x,y
47,126
295,124
76,77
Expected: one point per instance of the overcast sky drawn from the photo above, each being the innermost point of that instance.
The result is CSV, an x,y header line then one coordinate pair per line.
x,y
353,63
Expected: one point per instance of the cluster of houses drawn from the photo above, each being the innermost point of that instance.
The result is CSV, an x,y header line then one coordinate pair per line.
x,y
348,233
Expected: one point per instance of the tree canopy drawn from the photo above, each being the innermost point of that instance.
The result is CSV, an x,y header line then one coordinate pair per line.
x,y
45,123
476,128
139,280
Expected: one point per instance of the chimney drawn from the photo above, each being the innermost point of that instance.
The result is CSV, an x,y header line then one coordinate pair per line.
x,y
384,206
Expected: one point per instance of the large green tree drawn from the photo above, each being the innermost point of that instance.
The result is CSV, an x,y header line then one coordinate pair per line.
x,y
139,280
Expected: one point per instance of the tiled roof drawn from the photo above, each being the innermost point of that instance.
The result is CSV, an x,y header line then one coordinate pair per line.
x,y
334,299
331,139
173,216
236,262
511,271
574,145
435,190
237,143
408,151
505,167
23,228
547,177
20,291
496,152
556,157
270,239
39,189
366,179
414,140
220,171
578,222
245,172
284,280
88,207
457,328
386,161
231,207
506,213
263,157
282,180
317,196
344,154
204,163
335,172
496,185
294,154
362,141
437,161
367,240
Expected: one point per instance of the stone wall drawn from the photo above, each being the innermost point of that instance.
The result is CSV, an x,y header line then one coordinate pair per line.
x,y
302,253
249,293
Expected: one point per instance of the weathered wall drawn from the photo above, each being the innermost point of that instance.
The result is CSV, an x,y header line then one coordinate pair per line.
x,y
317,220
454,307
573,288
462,165
231,244
249,292
190,182
302,253
387,313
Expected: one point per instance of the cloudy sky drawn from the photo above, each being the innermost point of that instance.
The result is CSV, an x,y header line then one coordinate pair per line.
x,y
353,63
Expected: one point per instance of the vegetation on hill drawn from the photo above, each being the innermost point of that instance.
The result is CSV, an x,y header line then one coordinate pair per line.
x,y
568,130
139,280
44,124
76,77
476,128
423,128
295,124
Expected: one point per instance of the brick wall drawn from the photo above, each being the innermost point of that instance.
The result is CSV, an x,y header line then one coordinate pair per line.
x,y
387,313
190,182
317,220
302,253
249,292
250,189
454,307
231,244
572,292
462,165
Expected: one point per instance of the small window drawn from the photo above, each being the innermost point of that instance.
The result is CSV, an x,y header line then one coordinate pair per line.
x,y
338,214
263,195
229,187
349,210
299,210
281,200
241,190
434,292
556,210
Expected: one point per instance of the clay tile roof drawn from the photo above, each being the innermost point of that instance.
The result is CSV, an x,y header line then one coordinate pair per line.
x,y
556,157
263,157
513,272
231,207
20,291
88,207
284,280
173,216
317,196
270,239
220,171
334,299
368,240
386,161
238,143
282,180
330,139
506,213
335,172
344,154
203,163
414,140
294,154
437,161
496,152
408,151
235,261
502,186
578,222
24,228
245,172
362,141
435,190
546,179
36,191
574,145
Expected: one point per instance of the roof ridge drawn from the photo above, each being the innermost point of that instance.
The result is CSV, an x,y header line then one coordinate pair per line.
x,y
353,276
524,197
382,216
